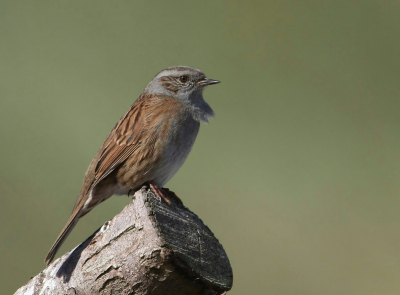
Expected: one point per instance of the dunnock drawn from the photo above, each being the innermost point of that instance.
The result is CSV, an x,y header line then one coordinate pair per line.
x,y
149,143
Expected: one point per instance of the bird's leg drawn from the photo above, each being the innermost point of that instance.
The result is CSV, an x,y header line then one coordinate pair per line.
x,y
173,195
165,194
159,192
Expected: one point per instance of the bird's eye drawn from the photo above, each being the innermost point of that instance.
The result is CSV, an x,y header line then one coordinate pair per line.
x,y
183,79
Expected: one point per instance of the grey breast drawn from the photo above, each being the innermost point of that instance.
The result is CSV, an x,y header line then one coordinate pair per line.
x,y
183,135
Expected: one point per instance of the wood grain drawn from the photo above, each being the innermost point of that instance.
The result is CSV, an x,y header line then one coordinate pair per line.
x,y
149,248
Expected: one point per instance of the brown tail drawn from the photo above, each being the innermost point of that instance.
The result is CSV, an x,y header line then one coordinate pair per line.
x,y
63,235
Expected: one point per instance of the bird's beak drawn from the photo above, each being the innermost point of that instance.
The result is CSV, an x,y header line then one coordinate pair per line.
x,y
207,81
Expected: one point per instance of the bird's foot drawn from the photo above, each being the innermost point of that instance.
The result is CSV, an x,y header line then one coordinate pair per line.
x,y
172,195
165,194
159,193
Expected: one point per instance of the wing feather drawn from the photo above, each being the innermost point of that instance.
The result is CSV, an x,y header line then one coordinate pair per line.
x,y
122,142
133,130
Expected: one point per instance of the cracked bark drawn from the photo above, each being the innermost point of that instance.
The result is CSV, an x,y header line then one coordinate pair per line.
x,y
148,248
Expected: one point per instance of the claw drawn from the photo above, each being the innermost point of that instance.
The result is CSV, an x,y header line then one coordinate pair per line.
x,y
159,193
173,195
165,194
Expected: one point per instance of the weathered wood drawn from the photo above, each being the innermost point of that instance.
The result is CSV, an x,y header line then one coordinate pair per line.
x,y
149,248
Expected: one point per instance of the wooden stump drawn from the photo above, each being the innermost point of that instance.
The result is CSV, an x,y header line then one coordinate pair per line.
x,y
149,248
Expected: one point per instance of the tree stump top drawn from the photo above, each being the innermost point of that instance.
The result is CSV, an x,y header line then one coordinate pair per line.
x,y
192,243
149,248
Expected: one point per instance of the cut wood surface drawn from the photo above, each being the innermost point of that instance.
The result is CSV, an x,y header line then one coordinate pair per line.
x,y
149,248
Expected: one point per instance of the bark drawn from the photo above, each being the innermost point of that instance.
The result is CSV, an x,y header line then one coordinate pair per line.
x,y
149,248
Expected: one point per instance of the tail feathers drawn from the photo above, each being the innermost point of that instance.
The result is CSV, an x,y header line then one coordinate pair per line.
x,y
61,238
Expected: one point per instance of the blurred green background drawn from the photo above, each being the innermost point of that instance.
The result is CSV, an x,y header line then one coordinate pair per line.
x,y
298,173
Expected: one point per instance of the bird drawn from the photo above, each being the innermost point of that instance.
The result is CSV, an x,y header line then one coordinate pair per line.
x,y
148,145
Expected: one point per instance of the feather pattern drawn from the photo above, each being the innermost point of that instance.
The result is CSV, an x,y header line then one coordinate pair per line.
x,y
148,144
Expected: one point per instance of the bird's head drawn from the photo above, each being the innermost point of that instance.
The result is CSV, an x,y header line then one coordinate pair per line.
x,y
185,84
179,82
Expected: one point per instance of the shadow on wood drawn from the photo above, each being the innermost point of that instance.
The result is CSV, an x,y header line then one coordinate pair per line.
x,y
149,248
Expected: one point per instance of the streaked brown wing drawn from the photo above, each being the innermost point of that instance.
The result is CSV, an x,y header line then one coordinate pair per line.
x,y
122,141
141,125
